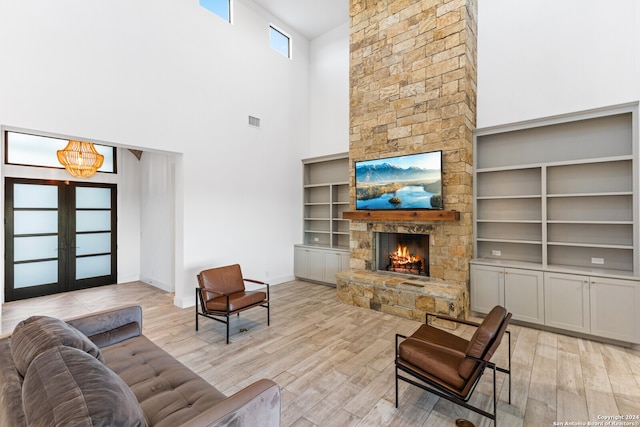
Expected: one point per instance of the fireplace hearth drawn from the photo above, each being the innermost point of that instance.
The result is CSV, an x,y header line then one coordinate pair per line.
x,y
403,253
405,292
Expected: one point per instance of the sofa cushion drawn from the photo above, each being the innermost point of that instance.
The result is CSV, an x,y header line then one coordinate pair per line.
x,y
65,386
169,393
37,334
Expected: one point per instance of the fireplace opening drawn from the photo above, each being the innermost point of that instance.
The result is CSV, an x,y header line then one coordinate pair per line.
x,y
403,253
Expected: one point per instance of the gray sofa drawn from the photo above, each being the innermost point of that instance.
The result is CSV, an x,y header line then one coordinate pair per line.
x,y
99,370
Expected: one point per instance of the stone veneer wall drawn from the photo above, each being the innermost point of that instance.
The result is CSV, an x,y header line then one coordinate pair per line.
x,y
412,90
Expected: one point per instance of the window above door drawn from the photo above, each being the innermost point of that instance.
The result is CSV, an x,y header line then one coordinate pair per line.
x,y
36,150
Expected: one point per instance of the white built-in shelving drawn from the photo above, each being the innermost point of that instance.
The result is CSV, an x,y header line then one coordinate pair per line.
x,y
325,246
561,192
558,196
326,197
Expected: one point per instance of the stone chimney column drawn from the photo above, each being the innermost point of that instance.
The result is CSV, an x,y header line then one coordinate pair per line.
x,y
413,90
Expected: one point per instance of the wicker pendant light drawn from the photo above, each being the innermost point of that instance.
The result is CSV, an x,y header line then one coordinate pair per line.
x,y
80,159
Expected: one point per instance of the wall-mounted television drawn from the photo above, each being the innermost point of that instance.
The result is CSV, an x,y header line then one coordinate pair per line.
x,y
412,181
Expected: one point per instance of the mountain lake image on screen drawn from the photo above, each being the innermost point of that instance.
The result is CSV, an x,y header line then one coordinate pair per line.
x,y
412,181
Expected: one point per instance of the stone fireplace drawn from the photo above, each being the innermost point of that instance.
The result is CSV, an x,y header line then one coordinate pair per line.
x,y
413,90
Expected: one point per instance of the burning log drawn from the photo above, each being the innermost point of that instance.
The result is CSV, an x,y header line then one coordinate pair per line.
x,y
402,261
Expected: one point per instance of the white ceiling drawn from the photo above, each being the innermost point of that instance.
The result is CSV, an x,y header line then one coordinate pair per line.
x,y
310,18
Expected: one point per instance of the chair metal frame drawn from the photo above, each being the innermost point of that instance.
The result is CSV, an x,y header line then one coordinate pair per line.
x,y
215,314
438,390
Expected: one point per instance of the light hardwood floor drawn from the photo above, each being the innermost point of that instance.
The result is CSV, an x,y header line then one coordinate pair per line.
x,y
334,362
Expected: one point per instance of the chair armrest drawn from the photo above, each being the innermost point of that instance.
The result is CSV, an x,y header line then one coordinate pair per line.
x,y
201,290
453,319
257,404
256,281
482,362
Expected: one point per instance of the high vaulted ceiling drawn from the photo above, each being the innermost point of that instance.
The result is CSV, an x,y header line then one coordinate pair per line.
x,y
310,18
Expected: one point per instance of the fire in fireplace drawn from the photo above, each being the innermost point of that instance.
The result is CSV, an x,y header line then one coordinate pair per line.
x,y
403,253
402,261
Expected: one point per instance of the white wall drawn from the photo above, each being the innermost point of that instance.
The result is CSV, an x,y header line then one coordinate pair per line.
x,y
329,83
157,219
128,181
169,75
540,58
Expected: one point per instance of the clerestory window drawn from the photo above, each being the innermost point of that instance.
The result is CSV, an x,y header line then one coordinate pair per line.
x,y
280,41
36,150
222,8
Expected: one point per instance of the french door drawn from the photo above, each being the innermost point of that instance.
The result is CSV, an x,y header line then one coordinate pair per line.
x,y
59,236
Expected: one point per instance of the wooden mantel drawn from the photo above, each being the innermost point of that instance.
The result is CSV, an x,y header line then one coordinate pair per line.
x,y
426,215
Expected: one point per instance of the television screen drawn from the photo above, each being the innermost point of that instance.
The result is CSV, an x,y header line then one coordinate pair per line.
x,y
411,181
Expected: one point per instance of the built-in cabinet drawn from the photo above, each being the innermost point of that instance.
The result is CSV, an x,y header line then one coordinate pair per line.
x,y
567,301
595,305
556,222
325,247
319,264
599,306
519,291
614,308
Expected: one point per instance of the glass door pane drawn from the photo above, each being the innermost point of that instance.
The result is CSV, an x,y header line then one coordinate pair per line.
x,y
93,234
93,243
93,266
35,273
28,248
35,196
32,241
93,198
35,222
88,221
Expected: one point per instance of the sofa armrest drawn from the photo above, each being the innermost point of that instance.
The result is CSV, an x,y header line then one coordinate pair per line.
x,y
110,326
257,404
11,411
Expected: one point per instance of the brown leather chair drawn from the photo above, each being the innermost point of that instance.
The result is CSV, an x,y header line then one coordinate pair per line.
x,y
450,366
222,292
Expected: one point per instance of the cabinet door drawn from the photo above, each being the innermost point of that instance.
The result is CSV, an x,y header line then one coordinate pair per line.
x,y
566,302
614,309
524,294
300,262
308,263
487,287
315,265
331,266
